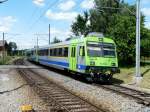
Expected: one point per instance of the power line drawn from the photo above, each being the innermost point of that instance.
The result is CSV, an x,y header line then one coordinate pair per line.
x,y
50,6
33,13
126,8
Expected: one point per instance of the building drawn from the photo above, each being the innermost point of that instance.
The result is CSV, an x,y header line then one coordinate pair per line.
x,y
3,48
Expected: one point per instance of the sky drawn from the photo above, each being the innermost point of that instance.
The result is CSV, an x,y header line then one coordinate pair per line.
x,y
25,20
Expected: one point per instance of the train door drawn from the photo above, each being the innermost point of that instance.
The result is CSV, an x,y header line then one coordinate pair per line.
x,y
73,60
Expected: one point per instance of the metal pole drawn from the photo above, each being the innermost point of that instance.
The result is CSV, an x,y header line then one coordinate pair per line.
x,y
37,48
49,33
3,47
37,44
138,14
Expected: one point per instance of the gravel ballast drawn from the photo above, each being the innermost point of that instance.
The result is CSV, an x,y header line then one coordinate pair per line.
x,y
101,98
11,101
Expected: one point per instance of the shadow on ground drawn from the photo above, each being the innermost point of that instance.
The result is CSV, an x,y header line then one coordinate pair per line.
x,y
76,76
116,81
145,72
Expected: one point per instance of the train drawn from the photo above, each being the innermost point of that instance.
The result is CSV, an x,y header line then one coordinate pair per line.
x,y
94,57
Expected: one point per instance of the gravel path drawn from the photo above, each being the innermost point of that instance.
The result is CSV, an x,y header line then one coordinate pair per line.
x,y
136,87
105,99
11,101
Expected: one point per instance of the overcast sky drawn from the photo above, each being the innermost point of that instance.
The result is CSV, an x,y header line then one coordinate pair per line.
x,y
22,19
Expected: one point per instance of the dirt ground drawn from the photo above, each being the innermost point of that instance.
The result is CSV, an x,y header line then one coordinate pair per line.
x,y
11,101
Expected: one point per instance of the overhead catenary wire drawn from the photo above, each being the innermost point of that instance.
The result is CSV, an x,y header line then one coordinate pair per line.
x,y
35,11
43,13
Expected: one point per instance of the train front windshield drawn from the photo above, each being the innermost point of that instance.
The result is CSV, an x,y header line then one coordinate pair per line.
x,y
95,49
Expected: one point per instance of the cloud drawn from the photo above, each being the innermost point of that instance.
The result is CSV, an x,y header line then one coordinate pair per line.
x,y
6,23
87,4
66,6
144,2
61,34
146,11
69,16
147,25
39,2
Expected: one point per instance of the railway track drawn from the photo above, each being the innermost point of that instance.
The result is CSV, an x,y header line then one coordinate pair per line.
x,y
58,98
139,96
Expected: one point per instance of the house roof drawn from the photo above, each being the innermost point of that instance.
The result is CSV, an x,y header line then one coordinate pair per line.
x,y
1,43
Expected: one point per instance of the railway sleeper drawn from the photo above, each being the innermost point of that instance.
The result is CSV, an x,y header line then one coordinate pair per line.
x,y
83,110
67,100
59,97
70,103
76,106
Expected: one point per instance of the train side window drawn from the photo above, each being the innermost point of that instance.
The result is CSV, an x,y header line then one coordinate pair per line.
x,y
73,52
50,52
81,51
66,52
55,51
60,52
39,52
45,52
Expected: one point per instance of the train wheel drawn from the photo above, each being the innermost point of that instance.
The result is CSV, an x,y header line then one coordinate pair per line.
x,y
89,79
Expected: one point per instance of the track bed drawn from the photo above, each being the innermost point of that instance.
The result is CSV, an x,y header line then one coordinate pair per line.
x,y
55,96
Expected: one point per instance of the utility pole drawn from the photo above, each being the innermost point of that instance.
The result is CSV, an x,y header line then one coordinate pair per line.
x,y
49,33
3,47
138,15
37,45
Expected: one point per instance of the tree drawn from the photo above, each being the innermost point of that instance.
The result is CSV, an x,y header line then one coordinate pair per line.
x,y
123,33
145,44
114,20
56,40
12,46
80,27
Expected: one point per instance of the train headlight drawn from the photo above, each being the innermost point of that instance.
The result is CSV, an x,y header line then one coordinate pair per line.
x,y
108,72
113,64
92,63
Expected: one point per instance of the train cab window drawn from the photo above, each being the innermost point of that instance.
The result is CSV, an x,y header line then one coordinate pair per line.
x,y
81,51
65,52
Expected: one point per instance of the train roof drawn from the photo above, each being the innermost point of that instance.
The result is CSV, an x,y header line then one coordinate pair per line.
x,y
77,40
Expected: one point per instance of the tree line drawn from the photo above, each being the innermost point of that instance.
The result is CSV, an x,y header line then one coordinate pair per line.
x,y
117,20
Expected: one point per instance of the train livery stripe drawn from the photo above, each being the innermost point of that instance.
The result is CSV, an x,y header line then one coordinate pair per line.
x,y
81,67
64,64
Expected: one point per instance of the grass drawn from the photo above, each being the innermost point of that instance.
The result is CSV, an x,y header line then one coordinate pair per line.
x,y
127,74
7,60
